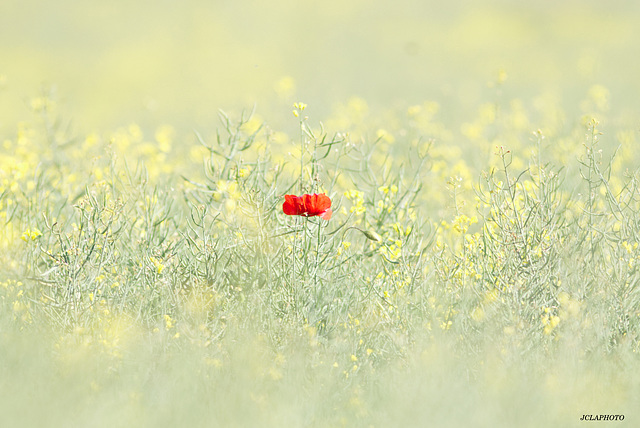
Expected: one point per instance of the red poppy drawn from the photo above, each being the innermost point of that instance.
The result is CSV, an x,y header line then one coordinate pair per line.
x,y
308,205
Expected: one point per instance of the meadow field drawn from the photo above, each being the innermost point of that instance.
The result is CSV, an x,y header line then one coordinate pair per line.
x,y
481,266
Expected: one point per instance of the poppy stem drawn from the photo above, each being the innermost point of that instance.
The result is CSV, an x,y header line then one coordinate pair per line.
x,y
295,276
315,269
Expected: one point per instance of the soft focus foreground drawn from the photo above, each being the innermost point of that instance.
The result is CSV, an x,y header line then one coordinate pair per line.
x,y
480,267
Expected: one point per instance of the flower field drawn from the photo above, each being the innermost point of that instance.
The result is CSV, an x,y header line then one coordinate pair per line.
x,y
460,249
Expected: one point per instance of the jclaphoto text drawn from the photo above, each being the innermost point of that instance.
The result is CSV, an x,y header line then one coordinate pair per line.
x,y
602,418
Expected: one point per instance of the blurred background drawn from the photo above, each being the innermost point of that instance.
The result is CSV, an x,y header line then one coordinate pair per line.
x,y
164,61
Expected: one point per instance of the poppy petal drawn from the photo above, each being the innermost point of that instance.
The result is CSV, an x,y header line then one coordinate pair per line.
x,y
308,205
292,205
322,202
327,214
316,204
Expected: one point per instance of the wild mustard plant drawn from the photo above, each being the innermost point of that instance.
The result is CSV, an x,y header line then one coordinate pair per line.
x,y
201,273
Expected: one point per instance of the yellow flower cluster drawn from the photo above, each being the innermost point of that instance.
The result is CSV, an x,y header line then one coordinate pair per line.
x,y
356,198
31,235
